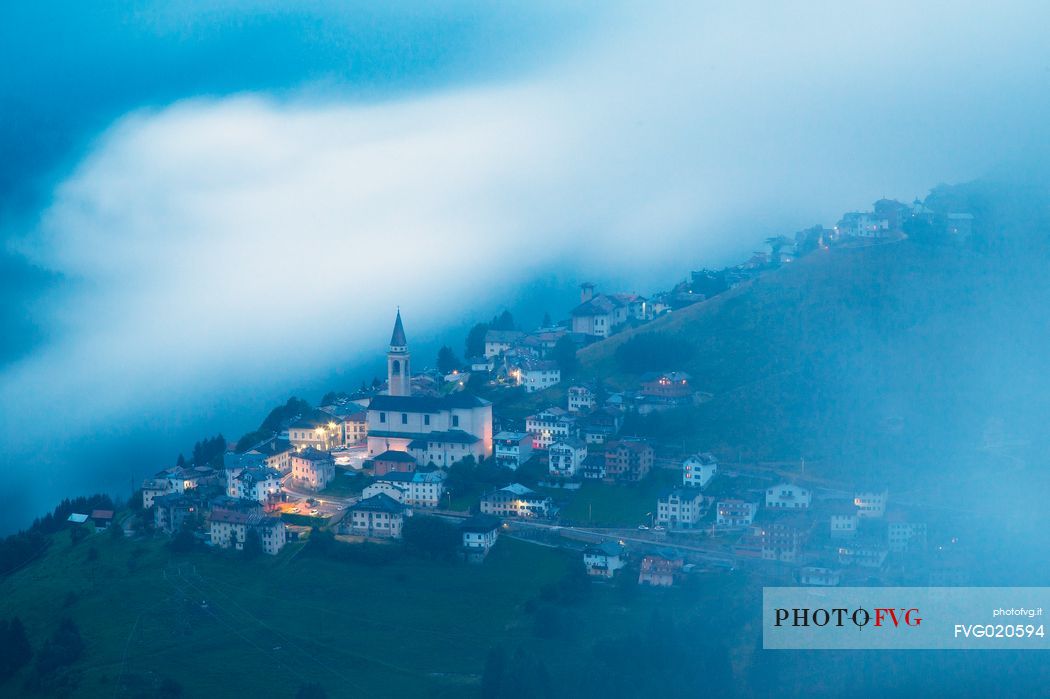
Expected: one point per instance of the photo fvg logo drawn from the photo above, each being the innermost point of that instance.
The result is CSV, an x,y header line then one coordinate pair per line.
x,y
879,617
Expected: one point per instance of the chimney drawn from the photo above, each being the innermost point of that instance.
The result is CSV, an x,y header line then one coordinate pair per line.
x,y
586,292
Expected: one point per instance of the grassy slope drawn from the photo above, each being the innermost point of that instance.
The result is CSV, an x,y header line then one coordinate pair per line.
x,y
857,355
409,628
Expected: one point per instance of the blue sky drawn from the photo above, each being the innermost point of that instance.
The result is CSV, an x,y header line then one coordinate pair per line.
x,y
207,209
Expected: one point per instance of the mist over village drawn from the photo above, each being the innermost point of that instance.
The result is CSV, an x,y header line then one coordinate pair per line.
x,y
524,351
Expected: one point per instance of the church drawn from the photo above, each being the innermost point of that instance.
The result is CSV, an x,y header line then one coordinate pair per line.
x,y
433,429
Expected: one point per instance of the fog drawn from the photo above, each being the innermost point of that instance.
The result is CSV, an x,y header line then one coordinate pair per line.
x,y
210,254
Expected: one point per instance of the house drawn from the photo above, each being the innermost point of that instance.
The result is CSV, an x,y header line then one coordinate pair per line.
x,y
960,225
535,374
258,483
598,315
565,457
604,559
871,502
481,364
822,576
734,513
865,552
601,426
783,539
658,571
318,430
312,468
230,529
419,489
479,535
842,519
499,341
102,518
580,399
392,462
594,466
788,496
276,454
680,508
516,500
667,384
698,470
862,225
378,516
439,429
512,449
904,535
153,488
183,478
628,460
173,510
548,426
355,427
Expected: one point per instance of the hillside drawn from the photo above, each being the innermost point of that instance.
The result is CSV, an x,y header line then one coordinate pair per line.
x,y
875,356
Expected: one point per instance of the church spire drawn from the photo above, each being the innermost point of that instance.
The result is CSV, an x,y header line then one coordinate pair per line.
x,y
397,338
399,373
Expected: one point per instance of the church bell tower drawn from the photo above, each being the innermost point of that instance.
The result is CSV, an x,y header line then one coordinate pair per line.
x,y
399,377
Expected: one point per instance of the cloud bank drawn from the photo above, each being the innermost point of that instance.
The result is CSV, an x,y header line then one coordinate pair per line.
x,y
216,240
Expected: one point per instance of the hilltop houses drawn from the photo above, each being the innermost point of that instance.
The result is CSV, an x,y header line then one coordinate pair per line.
x,y
628,460
548,426
698,470
420,489
231,528
565,457
658,571
434,429
479,536
580,399
534,374
604,559
512,449
734,513
515,500
680,508
379,516
318,430
391,462
788,496
312,468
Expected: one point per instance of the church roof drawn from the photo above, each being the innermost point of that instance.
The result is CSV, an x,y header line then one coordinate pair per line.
x,y
397,338
426,404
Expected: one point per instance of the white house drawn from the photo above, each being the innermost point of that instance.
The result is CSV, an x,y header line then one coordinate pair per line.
x,y
257,483
548,426
499,341
479,534
417,489
512,449
734,513
680,508
535,375
276,454
604,559
788,496
154,488
565,457
581,399
819,576
377,516
312,468
318,429
699,469
871,503
843,520
229,529
599,315
516,500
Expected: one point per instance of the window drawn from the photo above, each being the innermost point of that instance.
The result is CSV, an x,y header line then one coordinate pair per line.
x,y
382,417
426,419
404,418
395,368
455,420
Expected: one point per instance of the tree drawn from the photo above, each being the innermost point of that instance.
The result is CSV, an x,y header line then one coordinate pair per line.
x,y
184,541
447,361
15,650
564,353
492,678
432,537
475,346
504,321
252,545
116,531
63,648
